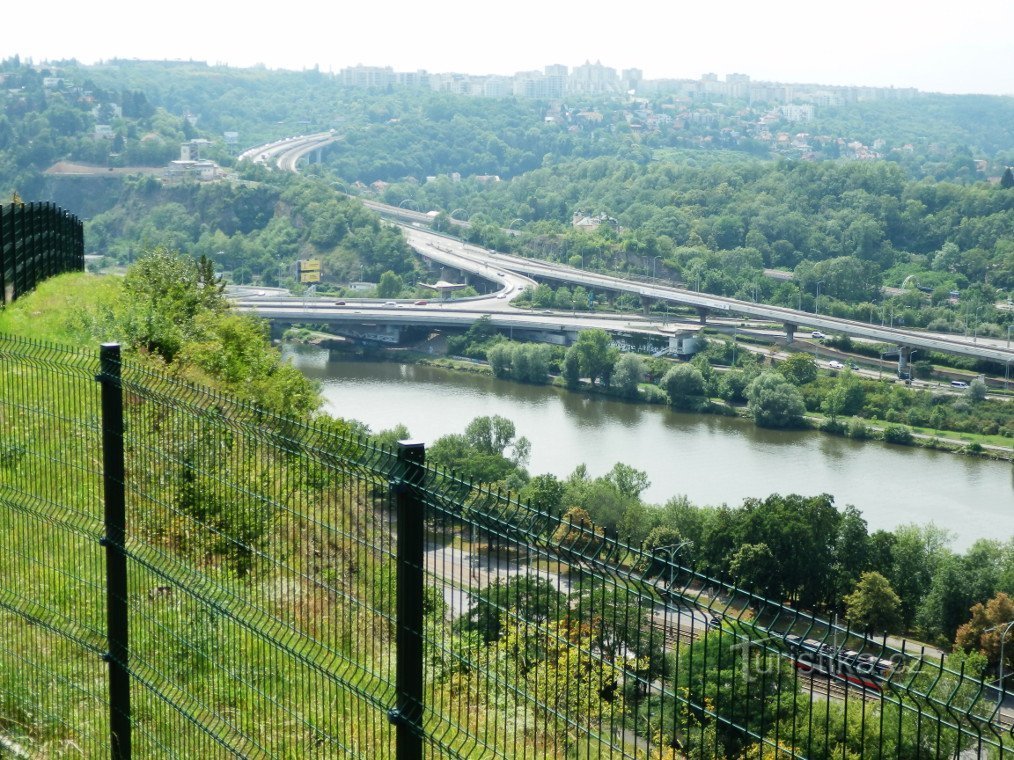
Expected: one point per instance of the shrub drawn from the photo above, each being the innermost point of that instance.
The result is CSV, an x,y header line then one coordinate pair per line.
x,y
858,430
652,394
898,434
835,427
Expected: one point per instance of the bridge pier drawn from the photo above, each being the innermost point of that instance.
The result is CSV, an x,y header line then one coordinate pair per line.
x,y
702,314
646,304
904,360
790,332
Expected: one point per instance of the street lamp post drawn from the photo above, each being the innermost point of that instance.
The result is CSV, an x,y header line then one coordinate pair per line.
x,y
654,261
816,303
1003,639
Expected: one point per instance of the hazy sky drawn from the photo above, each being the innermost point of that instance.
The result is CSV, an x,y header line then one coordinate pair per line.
x,y
930,44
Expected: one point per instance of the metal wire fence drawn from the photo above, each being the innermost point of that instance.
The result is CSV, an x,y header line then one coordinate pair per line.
x,y
37,240
288,590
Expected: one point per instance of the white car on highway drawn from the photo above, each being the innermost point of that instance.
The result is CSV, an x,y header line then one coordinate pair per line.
x,y
835,364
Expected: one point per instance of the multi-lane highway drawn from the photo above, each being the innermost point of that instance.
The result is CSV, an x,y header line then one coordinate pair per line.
x,y
285,154
508,271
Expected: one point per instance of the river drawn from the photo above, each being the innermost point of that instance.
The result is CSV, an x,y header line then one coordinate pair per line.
x,y
710,459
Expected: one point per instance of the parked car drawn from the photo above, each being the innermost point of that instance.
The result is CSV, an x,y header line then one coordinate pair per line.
x,y
835,364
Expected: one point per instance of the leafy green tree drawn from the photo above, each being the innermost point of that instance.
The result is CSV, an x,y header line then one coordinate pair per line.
x,y
531,362
596,354
390,285
874,606
799,369
500,357
775,402
572,368
628,480
544,493
685,385
916,552
751,566
1007,179
627,375
528,597
481,453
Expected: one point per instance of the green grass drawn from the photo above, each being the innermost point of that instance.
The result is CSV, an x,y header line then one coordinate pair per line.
x,y
70,309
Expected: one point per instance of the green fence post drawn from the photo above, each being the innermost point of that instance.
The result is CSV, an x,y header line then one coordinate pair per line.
x,y
407,713
116,557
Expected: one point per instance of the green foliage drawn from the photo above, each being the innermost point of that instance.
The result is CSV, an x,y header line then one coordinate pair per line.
x,y
544,493
898,434
165,292
390,285
799,369
596,355
686,388
481,454
775,402
873,606
627,375
572,368
525,597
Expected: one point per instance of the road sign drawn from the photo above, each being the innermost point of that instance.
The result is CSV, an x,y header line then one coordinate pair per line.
x,y
305,276
309,265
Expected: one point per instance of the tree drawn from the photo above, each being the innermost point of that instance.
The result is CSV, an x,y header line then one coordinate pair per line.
x,y
1007,180
500,356
845,397
873,605
774,402
627,375
544,493
998,611
685,385
572,368
751,566
799,369
390,285
596,354
528,597
977,390
628,480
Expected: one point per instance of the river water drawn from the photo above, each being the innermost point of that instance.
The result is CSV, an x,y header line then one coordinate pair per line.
x,y
710,459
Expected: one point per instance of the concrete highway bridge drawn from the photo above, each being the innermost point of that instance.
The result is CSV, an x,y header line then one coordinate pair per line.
x,y
503,269
286,153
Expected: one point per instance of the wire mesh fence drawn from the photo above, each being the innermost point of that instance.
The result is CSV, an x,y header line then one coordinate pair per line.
x,y
293,591
37,240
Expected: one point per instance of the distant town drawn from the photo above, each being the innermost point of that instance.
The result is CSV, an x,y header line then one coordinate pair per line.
x,y
557,81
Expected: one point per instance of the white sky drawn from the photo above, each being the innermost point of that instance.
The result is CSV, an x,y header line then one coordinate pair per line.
x,y
956,46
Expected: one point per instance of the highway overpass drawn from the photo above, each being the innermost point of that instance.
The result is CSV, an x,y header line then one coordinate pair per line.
x,y
496,267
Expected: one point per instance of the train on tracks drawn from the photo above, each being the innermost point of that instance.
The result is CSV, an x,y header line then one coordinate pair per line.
x,y
865,670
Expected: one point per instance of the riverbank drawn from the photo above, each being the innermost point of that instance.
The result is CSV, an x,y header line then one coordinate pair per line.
x,y
851,427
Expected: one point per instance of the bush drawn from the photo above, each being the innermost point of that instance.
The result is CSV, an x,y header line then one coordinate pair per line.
x,y
652,394
835,427
898,434
858,430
